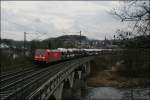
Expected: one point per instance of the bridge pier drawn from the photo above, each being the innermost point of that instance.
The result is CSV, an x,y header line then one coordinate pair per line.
x,y
88,65
87,68
67,91
58,92
79,73
71,79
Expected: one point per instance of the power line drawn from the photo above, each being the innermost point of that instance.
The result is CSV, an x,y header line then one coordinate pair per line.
x,y
24,41
80,39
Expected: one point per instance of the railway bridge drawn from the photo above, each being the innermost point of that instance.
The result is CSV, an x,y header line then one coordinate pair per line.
x,y
49,83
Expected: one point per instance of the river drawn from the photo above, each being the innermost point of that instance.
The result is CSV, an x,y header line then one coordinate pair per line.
x,y
111,93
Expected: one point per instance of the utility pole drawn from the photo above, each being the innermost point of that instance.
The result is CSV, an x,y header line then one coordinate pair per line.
x,y
24,43
80,39
0,49
25,40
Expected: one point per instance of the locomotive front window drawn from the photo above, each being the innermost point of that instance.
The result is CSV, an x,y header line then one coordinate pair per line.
x,y
40,52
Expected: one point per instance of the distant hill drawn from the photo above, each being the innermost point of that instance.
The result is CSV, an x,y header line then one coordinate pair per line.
x,y
69,38
72,37
65,41
9,43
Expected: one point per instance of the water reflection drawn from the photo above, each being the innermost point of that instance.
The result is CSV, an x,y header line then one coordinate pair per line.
x,y
115,93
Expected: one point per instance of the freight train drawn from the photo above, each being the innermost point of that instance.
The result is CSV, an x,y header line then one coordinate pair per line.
x,y
48,56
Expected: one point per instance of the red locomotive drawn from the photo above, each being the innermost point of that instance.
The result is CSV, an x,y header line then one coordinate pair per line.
x,y
46,55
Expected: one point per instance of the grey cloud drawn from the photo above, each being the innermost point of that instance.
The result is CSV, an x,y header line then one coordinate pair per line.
x,y
55,18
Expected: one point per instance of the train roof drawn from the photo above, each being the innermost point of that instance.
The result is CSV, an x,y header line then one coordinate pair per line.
x,y
71,50
54,50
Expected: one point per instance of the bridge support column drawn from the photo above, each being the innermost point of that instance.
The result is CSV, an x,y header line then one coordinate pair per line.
x,y
88,69
71,79
58,92
79,72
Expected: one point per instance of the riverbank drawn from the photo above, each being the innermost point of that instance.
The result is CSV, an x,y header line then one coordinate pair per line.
x,y
110,78
104,73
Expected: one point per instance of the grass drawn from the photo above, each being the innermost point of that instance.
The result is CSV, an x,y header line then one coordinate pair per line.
x,y
106,71
8,63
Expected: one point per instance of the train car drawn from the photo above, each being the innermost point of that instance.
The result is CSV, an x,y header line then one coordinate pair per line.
x,y
43,56
47,56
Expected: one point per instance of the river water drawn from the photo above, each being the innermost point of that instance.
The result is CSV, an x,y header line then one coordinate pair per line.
x,y
111,93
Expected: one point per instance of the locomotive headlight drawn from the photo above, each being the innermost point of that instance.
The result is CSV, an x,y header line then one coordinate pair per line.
x,y
36,57
43,57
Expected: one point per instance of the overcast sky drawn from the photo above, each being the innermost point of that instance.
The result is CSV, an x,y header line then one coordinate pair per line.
x,y
58,18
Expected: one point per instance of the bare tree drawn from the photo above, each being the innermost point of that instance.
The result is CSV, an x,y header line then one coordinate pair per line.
x,y
124,35
137,12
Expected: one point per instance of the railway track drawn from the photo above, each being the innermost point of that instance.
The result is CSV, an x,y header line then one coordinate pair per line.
x,y
13,83
15,68
22,67
16,76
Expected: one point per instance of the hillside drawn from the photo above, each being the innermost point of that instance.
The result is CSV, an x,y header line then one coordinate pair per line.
x,y
65,41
